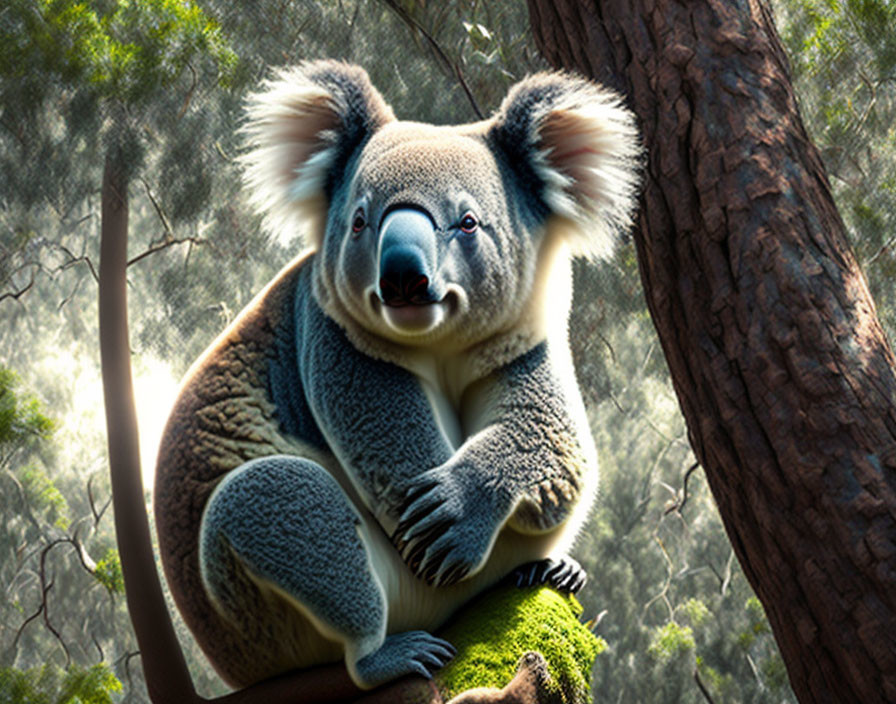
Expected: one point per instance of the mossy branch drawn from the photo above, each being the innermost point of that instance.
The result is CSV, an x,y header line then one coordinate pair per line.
x,y
515,646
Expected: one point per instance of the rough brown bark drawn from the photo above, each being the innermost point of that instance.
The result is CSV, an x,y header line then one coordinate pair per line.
x,y
781,368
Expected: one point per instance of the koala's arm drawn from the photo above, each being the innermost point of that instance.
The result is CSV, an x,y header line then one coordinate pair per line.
x,y
374,416
526,466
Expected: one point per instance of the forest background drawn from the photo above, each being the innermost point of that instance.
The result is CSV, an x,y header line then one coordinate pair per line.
x,y
165,81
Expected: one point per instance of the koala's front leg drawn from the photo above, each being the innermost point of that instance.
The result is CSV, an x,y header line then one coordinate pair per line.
x,y
526,467
374,415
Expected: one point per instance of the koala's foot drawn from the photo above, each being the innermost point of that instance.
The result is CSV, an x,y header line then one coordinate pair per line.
x,y
409,653
564,574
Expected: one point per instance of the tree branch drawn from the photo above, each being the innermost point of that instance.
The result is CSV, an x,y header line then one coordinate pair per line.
x,y
678,506
22,291
165,244
450,66
97,515
703,690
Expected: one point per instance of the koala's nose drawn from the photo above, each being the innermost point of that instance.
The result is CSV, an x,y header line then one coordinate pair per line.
x,y
406,257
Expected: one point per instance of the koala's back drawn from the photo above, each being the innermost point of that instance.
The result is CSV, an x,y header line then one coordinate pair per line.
x,y
224,417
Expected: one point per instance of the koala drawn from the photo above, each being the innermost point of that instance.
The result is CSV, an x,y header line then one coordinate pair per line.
x,y
393,424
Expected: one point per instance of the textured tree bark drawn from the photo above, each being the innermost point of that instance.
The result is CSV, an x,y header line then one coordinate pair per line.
x,y
781,367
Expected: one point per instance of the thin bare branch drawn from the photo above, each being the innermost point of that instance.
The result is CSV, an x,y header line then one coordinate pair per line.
x,y
98,647
97,514
449,65
679,505
25,507
702,687
21,629
77,260
166,224
20,292
165,244
189,96
46,586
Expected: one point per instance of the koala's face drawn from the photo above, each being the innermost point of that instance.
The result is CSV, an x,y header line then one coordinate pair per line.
x,y
425,243
438,236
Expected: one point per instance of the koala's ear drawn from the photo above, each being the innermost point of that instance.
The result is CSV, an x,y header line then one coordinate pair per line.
x,y
303,127
577,145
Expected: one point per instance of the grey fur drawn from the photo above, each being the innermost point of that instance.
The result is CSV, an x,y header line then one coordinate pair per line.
x,y
287,521
385,460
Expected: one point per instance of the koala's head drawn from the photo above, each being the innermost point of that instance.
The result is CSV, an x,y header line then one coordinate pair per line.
x,y
440,235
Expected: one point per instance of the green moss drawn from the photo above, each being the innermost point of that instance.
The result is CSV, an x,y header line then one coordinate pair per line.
x,y
494,632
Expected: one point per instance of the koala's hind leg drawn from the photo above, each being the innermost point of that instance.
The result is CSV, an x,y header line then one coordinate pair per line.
x,y
285,525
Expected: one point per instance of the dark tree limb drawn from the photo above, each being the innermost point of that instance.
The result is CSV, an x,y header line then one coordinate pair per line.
x,y
450,66
166,672
780,365
702,687
21,291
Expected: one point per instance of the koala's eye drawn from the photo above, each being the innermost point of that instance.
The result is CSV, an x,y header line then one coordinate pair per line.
x,y
358,221
468,223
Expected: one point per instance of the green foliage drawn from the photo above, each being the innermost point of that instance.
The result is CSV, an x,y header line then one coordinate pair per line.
x,y
22,420
723,686
774,674
44,570
44,496
498,629
50,684
122,50
24,430
108,572
843,54
671,640
756,625
696,611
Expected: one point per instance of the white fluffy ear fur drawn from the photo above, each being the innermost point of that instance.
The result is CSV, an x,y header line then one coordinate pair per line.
x,y
580,144
302,127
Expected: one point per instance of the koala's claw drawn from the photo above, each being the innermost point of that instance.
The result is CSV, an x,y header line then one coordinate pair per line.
x,y
411,652
451,573
435,556
455,573
434,560
564,574
417,492
443,532
443,563
429,522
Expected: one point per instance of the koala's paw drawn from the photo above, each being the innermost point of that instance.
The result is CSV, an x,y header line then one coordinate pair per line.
x,y
401,654
444,532
564,574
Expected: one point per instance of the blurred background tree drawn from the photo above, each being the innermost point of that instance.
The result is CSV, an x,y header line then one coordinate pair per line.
x,y
666,593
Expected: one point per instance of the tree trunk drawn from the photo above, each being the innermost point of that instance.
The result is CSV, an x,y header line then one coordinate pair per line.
x,y
166,673
781,367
